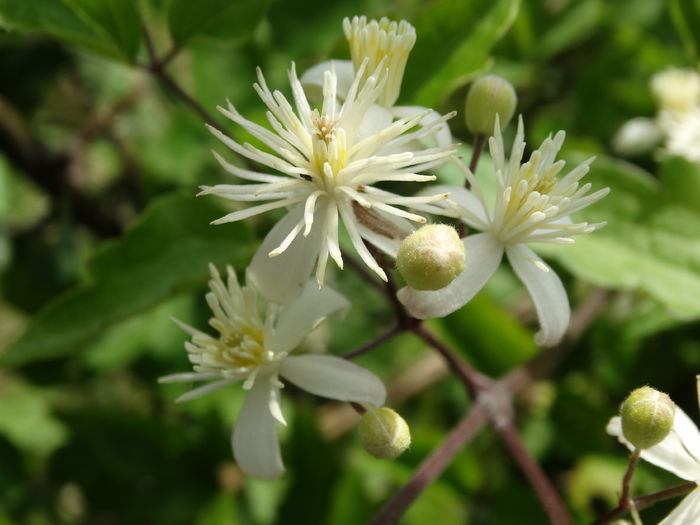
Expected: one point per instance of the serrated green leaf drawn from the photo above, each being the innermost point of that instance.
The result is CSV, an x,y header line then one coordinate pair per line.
x,y
117,20
56,18
166,250
225,20
650,242
454,42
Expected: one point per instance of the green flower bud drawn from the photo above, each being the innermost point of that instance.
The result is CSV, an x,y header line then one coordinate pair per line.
x,y
384,433
431,257
647,417
489,96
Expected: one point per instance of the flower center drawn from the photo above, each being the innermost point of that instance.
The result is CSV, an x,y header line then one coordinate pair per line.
x,y
242,346
329,147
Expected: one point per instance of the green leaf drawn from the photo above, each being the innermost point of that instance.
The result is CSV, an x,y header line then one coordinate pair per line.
x,y
686,17
116,20
59,20
166,251
454,42
233,22
25,418
650,242
576,23
682,180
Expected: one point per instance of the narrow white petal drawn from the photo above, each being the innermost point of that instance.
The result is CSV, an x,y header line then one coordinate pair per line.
x,y
280,279
483,255
442,134
687,512
312,78
204,389
254,439
298,318
188,376
475,214
333,378
547,293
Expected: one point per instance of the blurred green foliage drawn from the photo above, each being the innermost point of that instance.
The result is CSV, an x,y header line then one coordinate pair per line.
x,y
102,241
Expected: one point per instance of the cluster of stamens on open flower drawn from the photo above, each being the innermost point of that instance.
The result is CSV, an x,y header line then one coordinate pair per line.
x,y
531,205
258,349
323,163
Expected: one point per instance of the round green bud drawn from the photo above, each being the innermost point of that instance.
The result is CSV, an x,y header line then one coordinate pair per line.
x,y
384,433
431,257
489,96
647,417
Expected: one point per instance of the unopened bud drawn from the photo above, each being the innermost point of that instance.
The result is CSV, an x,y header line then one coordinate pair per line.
x,y
489,96
647,417
431,257
384,433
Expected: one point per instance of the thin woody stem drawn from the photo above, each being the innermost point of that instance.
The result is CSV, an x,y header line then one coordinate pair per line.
x,y
432,466
381,338
479,141
643,502
545,491
627,480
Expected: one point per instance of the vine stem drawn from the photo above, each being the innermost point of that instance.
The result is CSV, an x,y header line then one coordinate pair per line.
x,y
432,466
643,502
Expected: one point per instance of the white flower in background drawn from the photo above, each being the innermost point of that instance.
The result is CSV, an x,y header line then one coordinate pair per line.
x,y
676,89
376,41
532,205
678,453
256,349
677,124
322,164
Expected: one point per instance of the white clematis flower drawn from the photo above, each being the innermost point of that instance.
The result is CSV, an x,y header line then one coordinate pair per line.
x,y
256,349
532,205
322,167
678,453
378,41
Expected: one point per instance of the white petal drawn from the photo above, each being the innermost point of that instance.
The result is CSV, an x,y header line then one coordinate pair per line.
x,y
483,255
375,119
443,137
476,215
204,389
687,512
312,79
282,278
298,318
677,453
333,378
547,293
254,439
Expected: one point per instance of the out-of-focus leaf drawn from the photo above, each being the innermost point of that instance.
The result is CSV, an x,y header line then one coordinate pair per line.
x,y
681,178
686,17
59,20
25,418
166,251
233,22
650,242
454,42
575,24
117,20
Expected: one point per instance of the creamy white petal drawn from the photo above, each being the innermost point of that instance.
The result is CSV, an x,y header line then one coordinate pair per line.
x,y
442,135
298,318
687,512
312,78
188,376
333,378
547,293
677,453
254,439
282,278
483,255
473,211
375,120
204,389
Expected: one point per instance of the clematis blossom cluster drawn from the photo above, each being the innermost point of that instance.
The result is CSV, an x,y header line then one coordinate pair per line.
x,y
258,350
532,205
